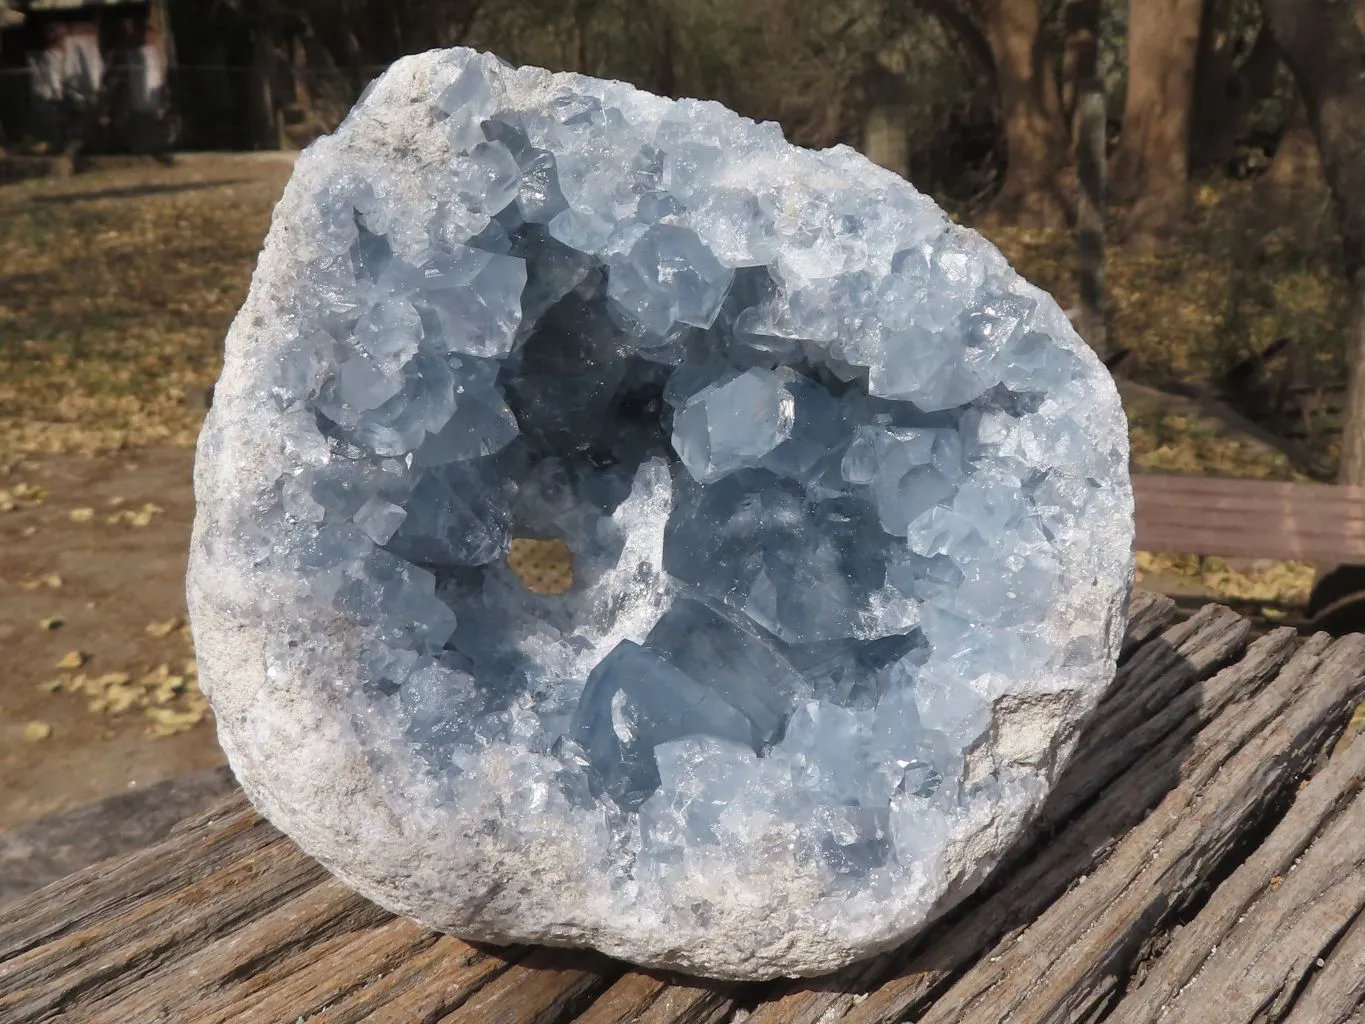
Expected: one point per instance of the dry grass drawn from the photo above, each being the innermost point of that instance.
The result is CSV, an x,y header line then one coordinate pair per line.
x,y
1247,269
117,291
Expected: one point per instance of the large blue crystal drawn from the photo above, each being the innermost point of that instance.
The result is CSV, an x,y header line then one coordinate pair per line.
x,y
846,503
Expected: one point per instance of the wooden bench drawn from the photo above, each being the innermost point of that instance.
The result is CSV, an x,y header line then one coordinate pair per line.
x,y
1201,860
1310,522
1250,518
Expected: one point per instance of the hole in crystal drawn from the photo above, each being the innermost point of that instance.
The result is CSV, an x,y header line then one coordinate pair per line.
x,y
543,566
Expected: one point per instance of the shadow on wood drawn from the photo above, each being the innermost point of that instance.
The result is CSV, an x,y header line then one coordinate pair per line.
x,y
42,851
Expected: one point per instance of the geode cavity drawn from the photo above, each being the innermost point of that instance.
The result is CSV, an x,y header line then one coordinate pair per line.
x,y
846,502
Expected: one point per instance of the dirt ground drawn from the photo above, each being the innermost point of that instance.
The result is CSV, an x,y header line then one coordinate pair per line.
x,y
116,288
92,560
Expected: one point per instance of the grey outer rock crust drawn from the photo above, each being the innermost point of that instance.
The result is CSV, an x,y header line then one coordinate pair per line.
x,y
274,661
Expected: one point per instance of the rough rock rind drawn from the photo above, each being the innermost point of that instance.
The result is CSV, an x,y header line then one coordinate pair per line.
x,y
297,630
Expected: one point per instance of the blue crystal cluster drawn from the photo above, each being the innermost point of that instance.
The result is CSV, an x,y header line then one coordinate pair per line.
x,y
826,466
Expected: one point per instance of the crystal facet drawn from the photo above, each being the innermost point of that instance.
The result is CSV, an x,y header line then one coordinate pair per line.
x,y
619,527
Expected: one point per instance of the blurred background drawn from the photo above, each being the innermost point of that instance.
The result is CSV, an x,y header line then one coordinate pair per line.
x,y
1186,176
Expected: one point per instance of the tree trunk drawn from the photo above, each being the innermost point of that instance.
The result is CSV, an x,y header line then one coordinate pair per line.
x,y
1214,73
1035,132
886,137
299,73
886,126
1325,48
1225,89
1083,33
665,51
1151,166
265,124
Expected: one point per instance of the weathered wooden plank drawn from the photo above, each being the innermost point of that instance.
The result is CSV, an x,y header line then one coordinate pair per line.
x,y
232,803
246,962
1190,950
1336,994
691,1004
106,890
1148,615
350,975
906,978
1145,704
1259,493
41,852
641,997
284,941
542,989
1268,926
1190,513
119,951
1238,529
631,995
1072,960
1282,541
425,988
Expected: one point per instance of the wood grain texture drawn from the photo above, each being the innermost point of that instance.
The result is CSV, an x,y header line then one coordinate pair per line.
x,y
1200,860
545,987
1071,960
1148,614
640,997
33,855
1336,994
1261,935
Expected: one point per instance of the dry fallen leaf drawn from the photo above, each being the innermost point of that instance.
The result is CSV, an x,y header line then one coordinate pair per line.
x,y
52,581
142,517
73,660
56,622
82,515
28,492
51,685
146,514
15,497
36,731
168,722
167,691
166,628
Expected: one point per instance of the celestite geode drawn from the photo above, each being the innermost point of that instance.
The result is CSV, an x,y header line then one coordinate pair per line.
x,y
847,502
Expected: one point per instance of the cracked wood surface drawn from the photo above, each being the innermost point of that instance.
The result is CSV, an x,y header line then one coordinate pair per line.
x,y
1201,859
